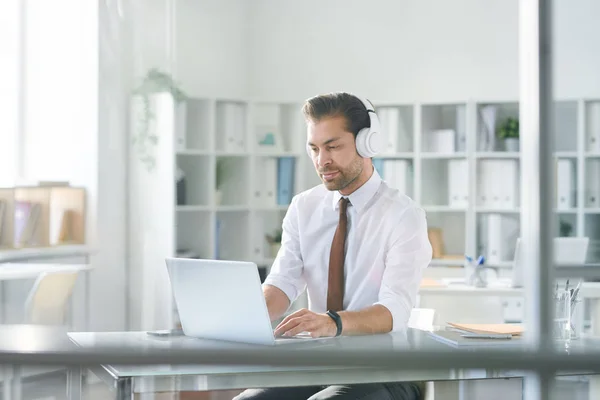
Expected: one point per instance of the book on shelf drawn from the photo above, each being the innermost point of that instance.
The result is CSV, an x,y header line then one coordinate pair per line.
x,y
458,185
461,129
26,222
266,193
397,174
593,184
285,180
565,184
231,124
593,122
498,184
487,130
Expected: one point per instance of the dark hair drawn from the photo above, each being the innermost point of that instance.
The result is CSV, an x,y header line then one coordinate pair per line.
x,y
339,104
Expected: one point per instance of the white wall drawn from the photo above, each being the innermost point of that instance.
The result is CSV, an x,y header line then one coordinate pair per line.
x,y
213,47
427,50
203,44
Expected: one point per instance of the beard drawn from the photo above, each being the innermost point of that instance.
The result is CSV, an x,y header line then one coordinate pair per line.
x,y
345,176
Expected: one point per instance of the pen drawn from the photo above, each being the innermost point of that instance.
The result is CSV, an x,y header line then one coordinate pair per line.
x,y
486,336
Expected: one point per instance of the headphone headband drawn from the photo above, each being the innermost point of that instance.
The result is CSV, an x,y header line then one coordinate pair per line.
x,y
368,139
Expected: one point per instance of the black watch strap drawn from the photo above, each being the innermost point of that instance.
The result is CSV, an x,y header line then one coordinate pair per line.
x,y
338,321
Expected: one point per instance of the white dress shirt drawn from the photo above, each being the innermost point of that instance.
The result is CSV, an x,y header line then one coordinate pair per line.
x,y
387,248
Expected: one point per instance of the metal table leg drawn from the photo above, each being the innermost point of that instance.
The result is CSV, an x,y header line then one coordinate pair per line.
x,y
124,389
16,383
74,383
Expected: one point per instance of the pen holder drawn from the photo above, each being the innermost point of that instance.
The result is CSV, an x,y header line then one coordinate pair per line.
x,y
562,316
575,319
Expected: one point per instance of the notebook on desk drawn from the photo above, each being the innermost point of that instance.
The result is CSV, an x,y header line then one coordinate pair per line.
x,y
502,329
454,338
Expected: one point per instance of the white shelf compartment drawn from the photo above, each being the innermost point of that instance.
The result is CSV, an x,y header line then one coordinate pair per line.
x,y
397,173
194,234
452,228
199,125
436,118
197,171
592,127
437,190
231,127
231,234
592,230
565,126
232,180
397,125
497,184
487,141
277,128
592,183
264,223
496,237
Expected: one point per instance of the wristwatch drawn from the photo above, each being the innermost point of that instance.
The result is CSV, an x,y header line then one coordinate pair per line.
x,y
338,321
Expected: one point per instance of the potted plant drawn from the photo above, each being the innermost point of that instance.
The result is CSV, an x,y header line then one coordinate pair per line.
x,y
155,81
274,242
222,171
509,132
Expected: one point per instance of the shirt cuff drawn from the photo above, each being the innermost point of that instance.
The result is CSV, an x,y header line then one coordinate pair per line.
x,y
286,287
399,314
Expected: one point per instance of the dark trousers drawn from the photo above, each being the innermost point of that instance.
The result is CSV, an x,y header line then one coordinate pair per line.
x,y
369,391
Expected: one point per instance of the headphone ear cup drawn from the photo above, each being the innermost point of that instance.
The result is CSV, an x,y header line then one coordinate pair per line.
x,y
361,142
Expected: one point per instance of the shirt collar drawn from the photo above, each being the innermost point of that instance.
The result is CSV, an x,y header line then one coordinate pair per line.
x,y
361,196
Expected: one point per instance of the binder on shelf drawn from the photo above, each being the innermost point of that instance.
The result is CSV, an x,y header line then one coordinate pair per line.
x,y
487,128
458,185
499,234
268,184
232,127
285,180
593,184
378,164
498,184
461,129
389,118
565,184
398,175
593,127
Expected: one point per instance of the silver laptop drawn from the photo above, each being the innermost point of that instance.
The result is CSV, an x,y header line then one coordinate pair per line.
x,y
567,251
222,300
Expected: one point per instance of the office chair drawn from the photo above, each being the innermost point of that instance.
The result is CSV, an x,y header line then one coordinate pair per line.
x,y
48,299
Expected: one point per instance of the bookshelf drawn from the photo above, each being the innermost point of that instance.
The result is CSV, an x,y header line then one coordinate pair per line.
x,y
243,159
41,217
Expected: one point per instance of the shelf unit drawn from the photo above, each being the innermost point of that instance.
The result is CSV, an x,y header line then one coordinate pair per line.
x,y
229,152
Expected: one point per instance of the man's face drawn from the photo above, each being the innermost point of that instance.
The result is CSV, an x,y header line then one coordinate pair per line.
x,y
333,152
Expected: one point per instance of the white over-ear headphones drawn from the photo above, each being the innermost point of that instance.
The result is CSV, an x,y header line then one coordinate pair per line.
x,y
368,140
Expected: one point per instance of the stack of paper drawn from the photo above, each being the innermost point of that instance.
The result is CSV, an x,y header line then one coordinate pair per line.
x,y
512,329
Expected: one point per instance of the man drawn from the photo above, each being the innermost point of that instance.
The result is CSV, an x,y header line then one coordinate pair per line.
x,y
358,246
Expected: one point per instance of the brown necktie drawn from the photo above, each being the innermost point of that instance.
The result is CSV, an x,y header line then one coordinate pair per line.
x,y
335,292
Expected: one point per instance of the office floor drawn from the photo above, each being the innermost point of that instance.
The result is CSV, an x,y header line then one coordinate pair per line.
x,y
53,387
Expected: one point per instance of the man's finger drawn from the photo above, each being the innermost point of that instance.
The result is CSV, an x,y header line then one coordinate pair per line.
x,y
301,327
284,328
295,314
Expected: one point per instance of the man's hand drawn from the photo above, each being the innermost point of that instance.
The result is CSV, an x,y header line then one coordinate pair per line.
x,y
318,325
